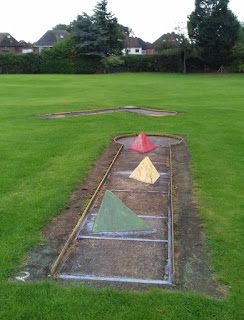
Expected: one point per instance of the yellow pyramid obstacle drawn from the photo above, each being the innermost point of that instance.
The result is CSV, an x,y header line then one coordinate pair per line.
x,y
145,172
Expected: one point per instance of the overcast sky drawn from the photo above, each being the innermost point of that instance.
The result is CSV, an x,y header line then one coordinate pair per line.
x,y
29,19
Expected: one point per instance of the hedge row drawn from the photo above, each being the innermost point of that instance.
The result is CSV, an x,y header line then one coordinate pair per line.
x,y
47,62
152,63
24,63
56,61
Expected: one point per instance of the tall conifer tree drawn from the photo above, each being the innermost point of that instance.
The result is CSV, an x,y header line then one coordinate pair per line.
x,y
214,28
98,35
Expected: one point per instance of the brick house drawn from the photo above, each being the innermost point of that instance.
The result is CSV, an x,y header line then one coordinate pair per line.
x,y
134,45
9,44
168,40
151,51
27,47
49,38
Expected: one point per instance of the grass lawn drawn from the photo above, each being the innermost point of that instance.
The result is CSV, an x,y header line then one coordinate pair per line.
x,y
43,160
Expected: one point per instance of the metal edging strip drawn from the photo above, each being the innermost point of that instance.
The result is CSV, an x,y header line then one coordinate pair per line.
x,y
122,239
71,237
170,227
116,279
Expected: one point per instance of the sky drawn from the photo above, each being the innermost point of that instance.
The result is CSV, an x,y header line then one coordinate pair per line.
x,y
28,19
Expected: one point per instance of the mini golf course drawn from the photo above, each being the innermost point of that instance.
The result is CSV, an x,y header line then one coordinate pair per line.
x,y
126,233
50,171
132,109
125,236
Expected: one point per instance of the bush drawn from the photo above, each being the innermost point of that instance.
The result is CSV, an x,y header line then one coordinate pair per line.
x,y
237,66
112,63
63,59
238,57
51,62
24,63
7,63
30,63
58,59
195,65
152,63
85,65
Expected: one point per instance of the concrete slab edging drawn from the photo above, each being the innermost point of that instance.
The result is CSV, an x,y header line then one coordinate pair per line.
x,y
129,109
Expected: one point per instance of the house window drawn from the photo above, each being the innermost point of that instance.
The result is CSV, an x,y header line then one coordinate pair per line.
x,y
8,36
5,49
16,49
137,50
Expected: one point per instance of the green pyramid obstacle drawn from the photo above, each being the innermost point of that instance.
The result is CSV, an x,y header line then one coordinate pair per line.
x,y
114,216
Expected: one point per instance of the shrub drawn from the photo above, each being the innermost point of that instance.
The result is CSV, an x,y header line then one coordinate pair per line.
x,y
152,63
85,65
51,62
112,63
30,63
238,57
24,63
63,58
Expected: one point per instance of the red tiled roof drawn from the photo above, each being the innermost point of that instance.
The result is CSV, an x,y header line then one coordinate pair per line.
x,y
131,42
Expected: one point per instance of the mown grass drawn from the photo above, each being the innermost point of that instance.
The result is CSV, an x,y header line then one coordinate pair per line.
x,y
42,161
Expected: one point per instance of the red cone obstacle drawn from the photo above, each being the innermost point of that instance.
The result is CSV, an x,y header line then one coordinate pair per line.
x,y
142,144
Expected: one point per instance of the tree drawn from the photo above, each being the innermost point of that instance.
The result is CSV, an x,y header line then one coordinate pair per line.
x,y
126,30
214,29
241,33
62,26
88,38
110,28
98,35
187,50
186,47
176,44
238,51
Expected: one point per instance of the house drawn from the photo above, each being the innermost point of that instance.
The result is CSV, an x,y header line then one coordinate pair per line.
x,y
27,47
151,51
9,44
131,46
49,38
167,41
134,45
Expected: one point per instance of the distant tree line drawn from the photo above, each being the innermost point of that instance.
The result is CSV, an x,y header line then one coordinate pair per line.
x,y
215,40
214,30
215,37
